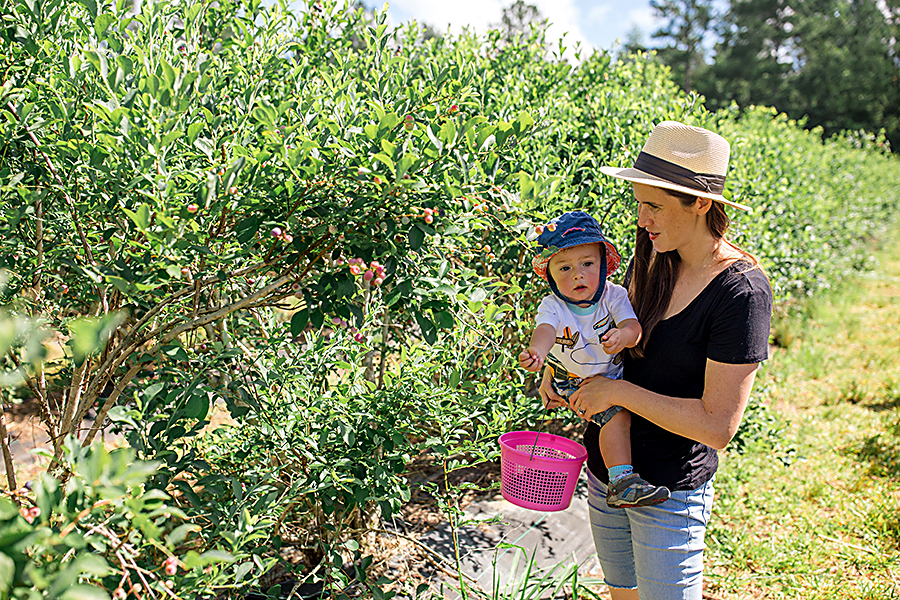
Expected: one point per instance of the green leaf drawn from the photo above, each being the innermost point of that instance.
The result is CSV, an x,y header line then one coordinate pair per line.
x,y
7,574
437,143
168,73
194,130
429,331
386,160
205,146
523,122
416,237
91,6
197,406
82,591
388,122
141,217
102,23
299,322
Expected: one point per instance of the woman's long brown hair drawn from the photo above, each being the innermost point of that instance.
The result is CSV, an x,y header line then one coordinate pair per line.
x,y
654,274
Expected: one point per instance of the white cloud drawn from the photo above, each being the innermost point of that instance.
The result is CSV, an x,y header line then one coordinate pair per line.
x,y
480,15
644,19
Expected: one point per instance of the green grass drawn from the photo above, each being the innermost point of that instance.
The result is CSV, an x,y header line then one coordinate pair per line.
x,y
808,497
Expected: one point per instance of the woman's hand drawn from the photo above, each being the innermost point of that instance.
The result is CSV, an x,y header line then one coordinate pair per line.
x,y
549,397
595,395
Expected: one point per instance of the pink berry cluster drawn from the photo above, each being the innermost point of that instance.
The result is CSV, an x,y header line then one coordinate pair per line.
x,y
357,334
282,235
428,215
30,514
171,565
372,273
540,228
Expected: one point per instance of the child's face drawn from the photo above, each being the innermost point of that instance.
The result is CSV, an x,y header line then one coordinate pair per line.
x,y
576,271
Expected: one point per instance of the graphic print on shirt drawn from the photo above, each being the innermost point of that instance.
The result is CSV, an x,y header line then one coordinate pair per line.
x,y
603,326
564,383
567,340
586,350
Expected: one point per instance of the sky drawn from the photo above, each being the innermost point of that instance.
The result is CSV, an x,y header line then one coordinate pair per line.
x,y
599,24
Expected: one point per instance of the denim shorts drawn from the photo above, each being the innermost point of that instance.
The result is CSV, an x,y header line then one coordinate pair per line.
x,y
657,550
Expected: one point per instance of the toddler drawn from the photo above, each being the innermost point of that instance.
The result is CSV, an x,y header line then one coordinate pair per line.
x,y
580,329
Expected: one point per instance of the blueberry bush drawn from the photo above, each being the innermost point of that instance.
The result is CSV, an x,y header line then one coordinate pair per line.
x,y
321,227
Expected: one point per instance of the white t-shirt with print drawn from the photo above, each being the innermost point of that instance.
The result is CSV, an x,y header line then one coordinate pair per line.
x,y
578,349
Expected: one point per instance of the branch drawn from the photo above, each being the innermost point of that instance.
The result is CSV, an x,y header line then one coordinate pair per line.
x,y
7,455
110,402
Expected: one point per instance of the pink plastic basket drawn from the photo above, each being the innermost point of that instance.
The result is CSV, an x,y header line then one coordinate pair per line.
x,y
545,481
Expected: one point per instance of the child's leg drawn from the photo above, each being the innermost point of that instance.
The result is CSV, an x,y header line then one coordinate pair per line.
x,y
626,488
615,440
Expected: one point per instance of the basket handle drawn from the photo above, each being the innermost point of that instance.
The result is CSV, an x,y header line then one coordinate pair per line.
x,y
543,420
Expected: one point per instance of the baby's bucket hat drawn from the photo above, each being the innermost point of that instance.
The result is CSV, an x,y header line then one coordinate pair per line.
x,y
574,229
684,159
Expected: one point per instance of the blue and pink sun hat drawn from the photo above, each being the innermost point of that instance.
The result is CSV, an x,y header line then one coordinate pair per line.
x,y
573,229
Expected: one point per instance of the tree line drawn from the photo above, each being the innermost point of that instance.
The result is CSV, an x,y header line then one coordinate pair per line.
x,y
834,63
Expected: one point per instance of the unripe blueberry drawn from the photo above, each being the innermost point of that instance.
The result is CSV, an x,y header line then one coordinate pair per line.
x,y
232,190
539,229
453,108
288,238
368,275
429,219
409,118
119,594
429,212
404,220
409,126
276,232
335,320
171,565
354,269
359,337
332,229
295,287
192,208
551,226
378,281
185,271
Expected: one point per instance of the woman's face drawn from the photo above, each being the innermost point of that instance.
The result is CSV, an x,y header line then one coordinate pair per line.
x,y
576,271
670,224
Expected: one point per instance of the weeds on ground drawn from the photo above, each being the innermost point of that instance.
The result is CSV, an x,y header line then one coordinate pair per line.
x,y
808,494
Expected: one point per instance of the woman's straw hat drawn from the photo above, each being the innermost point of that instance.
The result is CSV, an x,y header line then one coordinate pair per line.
x,y
681,158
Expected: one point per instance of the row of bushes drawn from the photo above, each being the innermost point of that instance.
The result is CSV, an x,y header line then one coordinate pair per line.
x,y
322,225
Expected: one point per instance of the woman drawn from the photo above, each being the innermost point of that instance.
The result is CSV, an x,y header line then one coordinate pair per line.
x,y
705,307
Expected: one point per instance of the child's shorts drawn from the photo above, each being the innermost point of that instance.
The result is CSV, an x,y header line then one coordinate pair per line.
x,y
567,388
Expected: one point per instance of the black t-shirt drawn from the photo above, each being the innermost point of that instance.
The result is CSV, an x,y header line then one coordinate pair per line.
x,y
727,322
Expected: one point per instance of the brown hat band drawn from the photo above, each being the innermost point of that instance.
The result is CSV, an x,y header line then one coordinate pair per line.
x,y
652,165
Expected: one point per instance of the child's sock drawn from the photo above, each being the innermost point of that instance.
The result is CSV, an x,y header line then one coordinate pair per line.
x,y
619,471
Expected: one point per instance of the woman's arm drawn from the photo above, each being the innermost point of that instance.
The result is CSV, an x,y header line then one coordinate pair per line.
x,y
712,420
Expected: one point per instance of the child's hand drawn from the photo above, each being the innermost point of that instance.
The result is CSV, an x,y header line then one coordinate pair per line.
x,y
531,360
613,341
